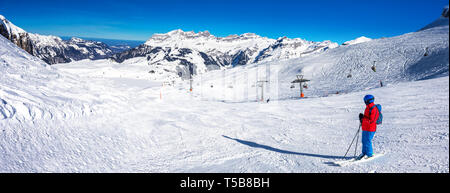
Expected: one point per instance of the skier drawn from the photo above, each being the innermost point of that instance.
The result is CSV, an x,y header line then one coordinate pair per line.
x,y
368,124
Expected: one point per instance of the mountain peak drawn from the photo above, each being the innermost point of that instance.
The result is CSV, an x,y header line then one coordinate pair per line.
x,y
249,35
357,40
191,34
75,39
10,28
204,33
175,32
443,20
179,34
445,12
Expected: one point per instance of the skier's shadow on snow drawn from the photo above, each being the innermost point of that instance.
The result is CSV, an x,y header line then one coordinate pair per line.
x,y
253,144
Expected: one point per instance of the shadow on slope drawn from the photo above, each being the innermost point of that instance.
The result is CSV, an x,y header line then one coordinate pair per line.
x,y
256,145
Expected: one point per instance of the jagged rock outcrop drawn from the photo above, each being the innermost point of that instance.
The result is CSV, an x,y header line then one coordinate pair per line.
x,y
52,49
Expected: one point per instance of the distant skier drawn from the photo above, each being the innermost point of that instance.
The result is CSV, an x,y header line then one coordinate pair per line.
x,y
369,126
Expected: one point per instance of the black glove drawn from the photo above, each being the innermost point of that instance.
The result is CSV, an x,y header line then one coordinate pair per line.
x,y
361,117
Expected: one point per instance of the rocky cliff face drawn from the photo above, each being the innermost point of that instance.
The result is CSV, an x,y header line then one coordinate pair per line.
x,y
52,49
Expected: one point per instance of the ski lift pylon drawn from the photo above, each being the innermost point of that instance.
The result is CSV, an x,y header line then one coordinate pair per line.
x,y
300,80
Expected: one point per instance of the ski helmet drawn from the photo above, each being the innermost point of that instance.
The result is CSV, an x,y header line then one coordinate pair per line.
x,y
369,99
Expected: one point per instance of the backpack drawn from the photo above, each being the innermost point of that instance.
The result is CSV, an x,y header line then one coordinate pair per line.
x,y
380,116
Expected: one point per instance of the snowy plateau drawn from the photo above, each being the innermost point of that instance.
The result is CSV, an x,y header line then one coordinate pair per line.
x,y
116,116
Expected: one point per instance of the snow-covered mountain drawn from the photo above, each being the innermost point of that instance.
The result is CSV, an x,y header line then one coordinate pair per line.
x,y
53,49
443,20
202,51
285,48
357,41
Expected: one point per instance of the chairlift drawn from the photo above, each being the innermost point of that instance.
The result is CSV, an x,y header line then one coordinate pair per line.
x,y
292,86
305,86
374,67
301,81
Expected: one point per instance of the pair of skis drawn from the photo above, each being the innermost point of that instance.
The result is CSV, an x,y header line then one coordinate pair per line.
x,y
357,160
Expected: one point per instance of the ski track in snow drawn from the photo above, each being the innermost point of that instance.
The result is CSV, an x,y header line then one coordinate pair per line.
x,y
71,118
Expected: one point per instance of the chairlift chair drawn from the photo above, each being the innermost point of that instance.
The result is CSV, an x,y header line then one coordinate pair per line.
x,y
374,67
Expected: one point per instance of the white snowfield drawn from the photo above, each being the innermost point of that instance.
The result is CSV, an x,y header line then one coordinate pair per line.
x,y
100,116
357,40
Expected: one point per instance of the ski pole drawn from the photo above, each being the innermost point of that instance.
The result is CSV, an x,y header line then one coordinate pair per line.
x,y
356,147
352,141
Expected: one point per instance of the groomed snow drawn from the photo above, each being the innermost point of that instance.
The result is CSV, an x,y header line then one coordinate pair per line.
x,y
131,130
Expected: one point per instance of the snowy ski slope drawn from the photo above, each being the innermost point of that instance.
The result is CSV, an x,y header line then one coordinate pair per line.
x,y
397,59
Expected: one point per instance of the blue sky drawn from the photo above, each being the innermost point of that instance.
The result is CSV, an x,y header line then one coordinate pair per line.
x,y
315,20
